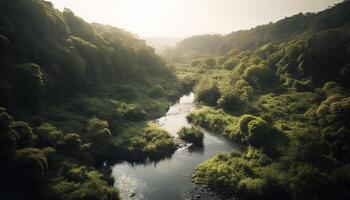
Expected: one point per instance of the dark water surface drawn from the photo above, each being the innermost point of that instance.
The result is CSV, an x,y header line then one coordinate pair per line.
x,y
169,179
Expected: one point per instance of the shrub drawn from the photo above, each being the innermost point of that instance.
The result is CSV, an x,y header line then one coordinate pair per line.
x,y
253,130
79,183
195,63
332,88
309,182
252,188
334,111
98,132
210,62
193,135
207,91
229,65
25,134
210,119
30,84
157,92
231,102
71,143
48,135
132,112
153,142
339,142
260,76
31,164
127,92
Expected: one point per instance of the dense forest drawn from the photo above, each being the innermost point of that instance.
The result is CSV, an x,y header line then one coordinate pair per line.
x,y
281,91
294,27
77,96
72,95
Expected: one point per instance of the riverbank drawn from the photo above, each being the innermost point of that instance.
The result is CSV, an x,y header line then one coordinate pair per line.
x,y
170,178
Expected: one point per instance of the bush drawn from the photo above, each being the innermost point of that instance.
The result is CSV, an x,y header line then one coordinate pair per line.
x,y
254,131
195,63
71,143
80,183
132,112
153,142
260,77
98,134
210,62
48,135
231,102
157,92
30,84
193,135
331,88
229,65
334,111
127,92
210,119
31,164
25,134
207,91
308,182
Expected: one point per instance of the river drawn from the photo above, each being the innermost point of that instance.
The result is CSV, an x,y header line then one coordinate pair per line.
x,y
170,179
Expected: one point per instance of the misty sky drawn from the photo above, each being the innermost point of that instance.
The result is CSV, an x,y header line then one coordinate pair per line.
x,y
179,18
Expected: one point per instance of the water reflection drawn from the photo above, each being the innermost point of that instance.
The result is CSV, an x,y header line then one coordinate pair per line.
x,y
169,178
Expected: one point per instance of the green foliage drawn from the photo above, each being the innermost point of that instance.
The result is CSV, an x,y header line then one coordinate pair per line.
x,y
71,143
195,63
229,65
30,84
98,134
282,30
62,75
132,112
25,134
210,62
48,135
331,88
259,76
152,142
236,174
210,119
193,135
207,91
157,92
79,182
231,102
31,164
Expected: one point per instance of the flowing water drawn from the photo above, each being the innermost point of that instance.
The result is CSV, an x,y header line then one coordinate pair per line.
x,y
170,179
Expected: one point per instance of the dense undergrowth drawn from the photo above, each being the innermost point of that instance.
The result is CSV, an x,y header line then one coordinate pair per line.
x,y
287,104
73,95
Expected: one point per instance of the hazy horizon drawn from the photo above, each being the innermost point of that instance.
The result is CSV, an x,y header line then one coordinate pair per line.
x,y
183,18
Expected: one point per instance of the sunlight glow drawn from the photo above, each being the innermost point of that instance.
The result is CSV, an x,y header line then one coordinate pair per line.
x,y
177,18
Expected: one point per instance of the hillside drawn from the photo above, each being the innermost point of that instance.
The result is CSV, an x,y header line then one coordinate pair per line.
x,y
73,95
78,97
285,101
297,26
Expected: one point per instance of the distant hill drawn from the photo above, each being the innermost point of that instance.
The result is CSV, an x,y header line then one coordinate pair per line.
x,y
299,25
